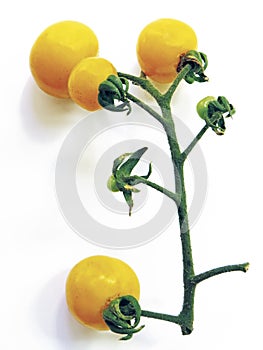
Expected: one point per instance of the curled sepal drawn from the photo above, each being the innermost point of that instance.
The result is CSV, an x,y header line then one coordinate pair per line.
x,y
117,162
127,167
123,316
214,111
121,174
127,193
198,62
114,89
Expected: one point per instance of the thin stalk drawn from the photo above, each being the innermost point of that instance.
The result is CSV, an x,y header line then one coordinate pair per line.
x,y
174,196
160,316
143,83
219,270
180,76
145,107
186,152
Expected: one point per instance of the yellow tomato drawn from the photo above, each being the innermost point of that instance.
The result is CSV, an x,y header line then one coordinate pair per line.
x,y
160,45
84,81
93,283
56,51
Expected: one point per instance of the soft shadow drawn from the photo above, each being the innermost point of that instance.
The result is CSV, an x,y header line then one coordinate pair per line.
x,y
45,117
56,323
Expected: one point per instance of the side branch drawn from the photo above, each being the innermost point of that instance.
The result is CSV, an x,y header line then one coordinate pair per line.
x,y
219,270
174,196
144,83
144,106
181,75
194,142
162,317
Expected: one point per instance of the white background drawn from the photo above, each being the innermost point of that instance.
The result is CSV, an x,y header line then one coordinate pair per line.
x,y
38,248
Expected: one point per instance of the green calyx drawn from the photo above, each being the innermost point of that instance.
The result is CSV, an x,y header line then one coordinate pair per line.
x,y
114,89
198,62
123,316
214,111
121,178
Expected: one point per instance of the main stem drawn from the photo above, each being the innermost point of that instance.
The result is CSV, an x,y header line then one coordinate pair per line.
x,y
187,314
186,317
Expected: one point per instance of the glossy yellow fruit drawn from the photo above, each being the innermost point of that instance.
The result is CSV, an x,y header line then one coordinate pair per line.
x,y
93,283
160,45
84,81
56,51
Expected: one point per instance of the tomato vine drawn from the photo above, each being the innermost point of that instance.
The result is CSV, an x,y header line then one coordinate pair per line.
x,y
116,97
166,52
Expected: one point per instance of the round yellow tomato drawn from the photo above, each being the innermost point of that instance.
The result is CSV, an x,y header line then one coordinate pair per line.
x,y
93,283
84,81
160,45
56,51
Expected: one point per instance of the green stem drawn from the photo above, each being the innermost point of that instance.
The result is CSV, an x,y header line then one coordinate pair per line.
x,y
187,312
160,316
190,280
180,189
219,270
180,76
185,318
174,196
145,107
143,83
188,268
169,128
194,142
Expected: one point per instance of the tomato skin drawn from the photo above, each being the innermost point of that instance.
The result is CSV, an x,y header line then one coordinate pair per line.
x,y
93,283
160,45
202,106
56,51
85,78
